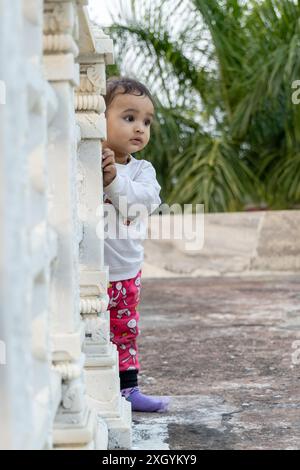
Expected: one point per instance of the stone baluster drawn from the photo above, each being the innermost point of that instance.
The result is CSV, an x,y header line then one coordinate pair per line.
x,y
102,373
16,411
76,425
28,245
41,108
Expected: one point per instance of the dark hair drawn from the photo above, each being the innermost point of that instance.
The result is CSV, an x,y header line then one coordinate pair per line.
x,y
124,85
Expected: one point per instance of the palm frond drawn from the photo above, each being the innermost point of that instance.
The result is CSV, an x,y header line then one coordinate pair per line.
x,y
226,132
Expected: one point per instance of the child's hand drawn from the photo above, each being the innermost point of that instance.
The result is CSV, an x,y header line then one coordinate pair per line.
x,y
108,166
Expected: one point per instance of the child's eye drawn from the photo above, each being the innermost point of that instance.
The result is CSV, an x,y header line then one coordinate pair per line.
x,y
129,118
147,122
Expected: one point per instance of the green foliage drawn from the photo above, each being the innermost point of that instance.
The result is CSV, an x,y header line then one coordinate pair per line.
x,y
226,133
113,70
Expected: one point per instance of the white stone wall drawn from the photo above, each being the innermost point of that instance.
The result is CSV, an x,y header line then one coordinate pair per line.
x,y
59,385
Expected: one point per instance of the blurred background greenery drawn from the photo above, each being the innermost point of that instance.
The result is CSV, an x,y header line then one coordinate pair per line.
x,y
227,133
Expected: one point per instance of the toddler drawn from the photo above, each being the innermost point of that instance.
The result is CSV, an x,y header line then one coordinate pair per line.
x,y
128,182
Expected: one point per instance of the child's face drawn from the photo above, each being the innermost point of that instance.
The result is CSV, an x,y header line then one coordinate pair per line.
x,y
129,118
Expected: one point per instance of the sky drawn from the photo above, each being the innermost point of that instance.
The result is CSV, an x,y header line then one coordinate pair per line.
x,y
99,11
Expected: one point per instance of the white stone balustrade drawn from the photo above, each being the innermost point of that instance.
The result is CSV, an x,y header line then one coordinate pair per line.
x,y
58,368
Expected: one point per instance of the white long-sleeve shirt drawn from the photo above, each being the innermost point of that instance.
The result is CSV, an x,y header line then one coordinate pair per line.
x,y
128,201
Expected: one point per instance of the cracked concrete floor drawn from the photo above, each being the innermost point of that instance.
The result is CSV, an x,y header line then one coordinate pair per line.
x,y
225,350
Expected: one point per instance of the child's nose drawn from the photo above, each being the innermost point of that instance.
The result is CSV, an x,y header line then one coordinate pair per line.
x,y
139,128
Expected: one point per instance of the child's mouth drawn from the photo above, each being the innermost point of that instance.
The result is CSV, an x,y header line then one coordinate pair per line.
x,y
136,141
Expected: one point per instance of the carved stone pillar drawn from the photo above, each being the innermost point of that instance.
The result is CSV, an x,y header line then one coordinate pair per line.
x,y
28,245
102,372
76,425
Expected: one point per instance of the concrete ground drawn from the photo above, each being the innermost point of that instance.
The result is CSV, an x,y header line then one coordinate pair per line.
x,y
225,349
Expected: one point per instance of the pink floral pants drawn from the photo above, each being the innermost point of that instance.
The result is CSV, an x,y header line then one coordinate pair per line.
x,y
124,298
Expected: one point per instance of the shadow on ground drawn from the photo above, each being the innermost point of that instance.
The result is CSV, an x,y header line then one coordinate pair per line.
x,y
224,349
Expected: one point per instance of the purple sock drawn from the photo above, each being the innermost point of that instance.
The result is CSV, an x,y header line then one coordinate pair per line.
x,y
140,402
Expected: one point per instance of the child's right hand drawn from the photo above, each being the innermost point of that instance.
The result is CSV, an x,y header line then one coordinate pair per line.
x,y
108,166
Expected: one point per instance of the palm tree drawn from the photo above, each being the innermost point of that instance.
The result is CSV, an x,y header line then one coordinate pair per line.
x,y
227,132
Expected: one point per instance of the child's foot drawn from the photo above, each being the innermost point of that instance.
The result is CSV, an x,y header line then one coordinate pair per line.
x,y
140,402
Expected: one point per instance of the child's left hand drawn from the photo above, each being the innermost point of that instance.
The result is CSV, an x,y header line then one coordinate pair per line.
x,y
108,166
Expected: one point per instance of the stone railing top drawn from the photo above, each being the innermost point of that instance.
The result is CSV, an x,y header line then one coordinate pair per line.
x,y
92,40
